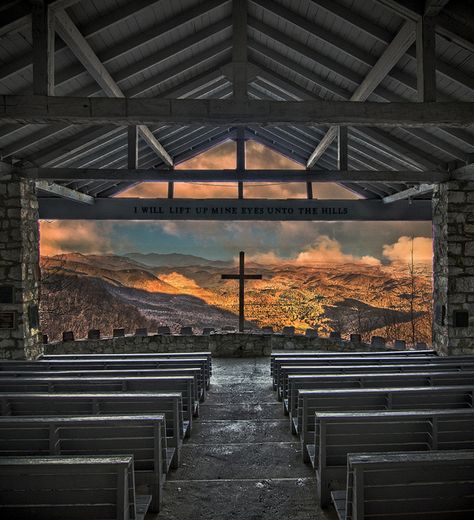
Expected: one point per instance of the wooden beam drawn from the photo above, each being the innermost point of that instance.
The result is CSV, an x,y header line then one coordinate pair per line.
x,y
426,59
235,210
434,7
42,28
132,148
65,193
163,175
390,57
342,148
239,48
415,191
222,112
240,158
85,54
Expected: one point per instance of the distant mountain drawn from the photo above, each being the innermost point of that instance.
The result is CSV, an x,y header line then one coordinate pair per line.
x,y
175,260
177,289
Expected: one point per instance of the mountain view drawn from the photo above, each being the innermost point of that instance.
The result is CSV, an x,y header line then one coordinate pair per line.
x,y
132,290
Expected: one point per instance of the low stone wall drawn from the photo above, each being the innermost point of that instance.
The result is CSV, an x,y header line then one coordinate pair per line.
x,y
221,345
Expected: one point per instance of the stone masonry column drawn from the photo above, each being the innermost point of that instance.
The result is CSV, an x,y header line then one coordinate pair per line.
x,y
453,268
19,269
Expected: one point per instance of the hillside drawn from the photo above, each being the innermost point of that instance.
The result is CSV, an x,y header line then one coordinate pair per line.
x,y
345,297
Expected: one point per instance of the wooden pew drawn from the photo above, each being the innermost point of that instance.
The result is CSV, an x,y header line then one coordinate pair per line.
x,y
338,434
196,373
411,486
305,354
376,399
364,361
108,364
182,384
375,380
140,356
143,436
96,488
303,370
42,404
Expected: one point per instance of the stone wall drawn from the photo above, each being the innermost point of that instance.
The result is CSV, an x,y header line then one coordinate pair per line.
x,y
453,268
221,345
19,267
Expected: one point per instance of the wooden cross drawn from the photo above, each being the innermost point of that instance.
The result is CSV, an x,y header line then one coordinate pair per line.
x,y
241,277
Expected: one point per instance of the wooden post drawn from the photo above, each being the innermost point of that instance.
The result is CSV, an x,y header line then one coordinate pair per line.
x,y
342,150
42,28
132,147
240,163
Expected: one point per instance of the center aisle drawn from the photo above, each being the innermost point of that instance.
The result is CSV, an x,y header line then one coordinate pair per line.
x,y
241,461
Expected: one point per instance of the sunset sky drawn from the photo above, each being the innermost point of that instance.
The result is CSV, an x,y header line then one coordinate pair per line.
x,y
300,242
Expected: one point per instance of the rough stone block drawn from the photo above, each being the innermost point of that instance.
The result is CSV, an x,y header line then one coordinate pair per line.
x,y
334,334
377,341
186,331
164,330
68,335
399,344
289,331
118,333
141,332
93,334
355,338
311,333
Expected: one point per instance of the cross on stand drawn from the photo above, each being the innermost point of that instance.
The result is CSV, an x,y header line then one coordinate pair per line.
x,y
241,277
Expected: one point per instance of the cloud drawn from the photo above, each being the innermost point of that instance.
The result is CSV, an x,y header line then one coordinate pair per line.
x,y
59,237
324,250
400,251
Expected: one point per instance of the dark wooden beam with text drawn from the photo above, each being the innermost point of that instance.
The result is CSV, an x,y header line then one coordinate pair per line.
x,y
241,277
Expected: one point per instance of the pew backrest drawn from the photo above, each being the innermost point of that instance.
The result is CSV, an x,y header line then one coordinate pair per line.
x,y
338,434
377,399
49,404
387,360
143,436
96,488
196,373
420,486
182,384
375,380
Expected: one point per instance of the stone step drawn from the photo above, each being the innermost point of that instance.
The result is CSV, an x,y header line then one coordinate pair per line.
x,y
248,499
238,461
228,432
241,411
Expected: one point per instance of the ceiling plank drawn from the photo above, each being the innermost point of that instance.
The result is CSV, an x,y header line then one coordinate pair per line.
x,y
392,54
84,53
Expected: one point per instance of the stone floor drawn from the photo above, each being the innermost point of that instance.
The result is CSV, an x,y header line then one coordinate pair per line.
x,y
241,462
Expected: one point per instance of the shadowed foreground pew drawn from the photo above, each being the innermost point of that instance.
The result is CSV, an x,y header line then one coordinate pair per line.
x,y
142,436
339,434
408,486
59,488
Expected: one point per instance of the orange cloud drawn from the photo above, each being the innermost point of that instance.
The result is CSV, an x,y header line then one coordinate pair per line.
x,y
400,252
324,250
59,237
